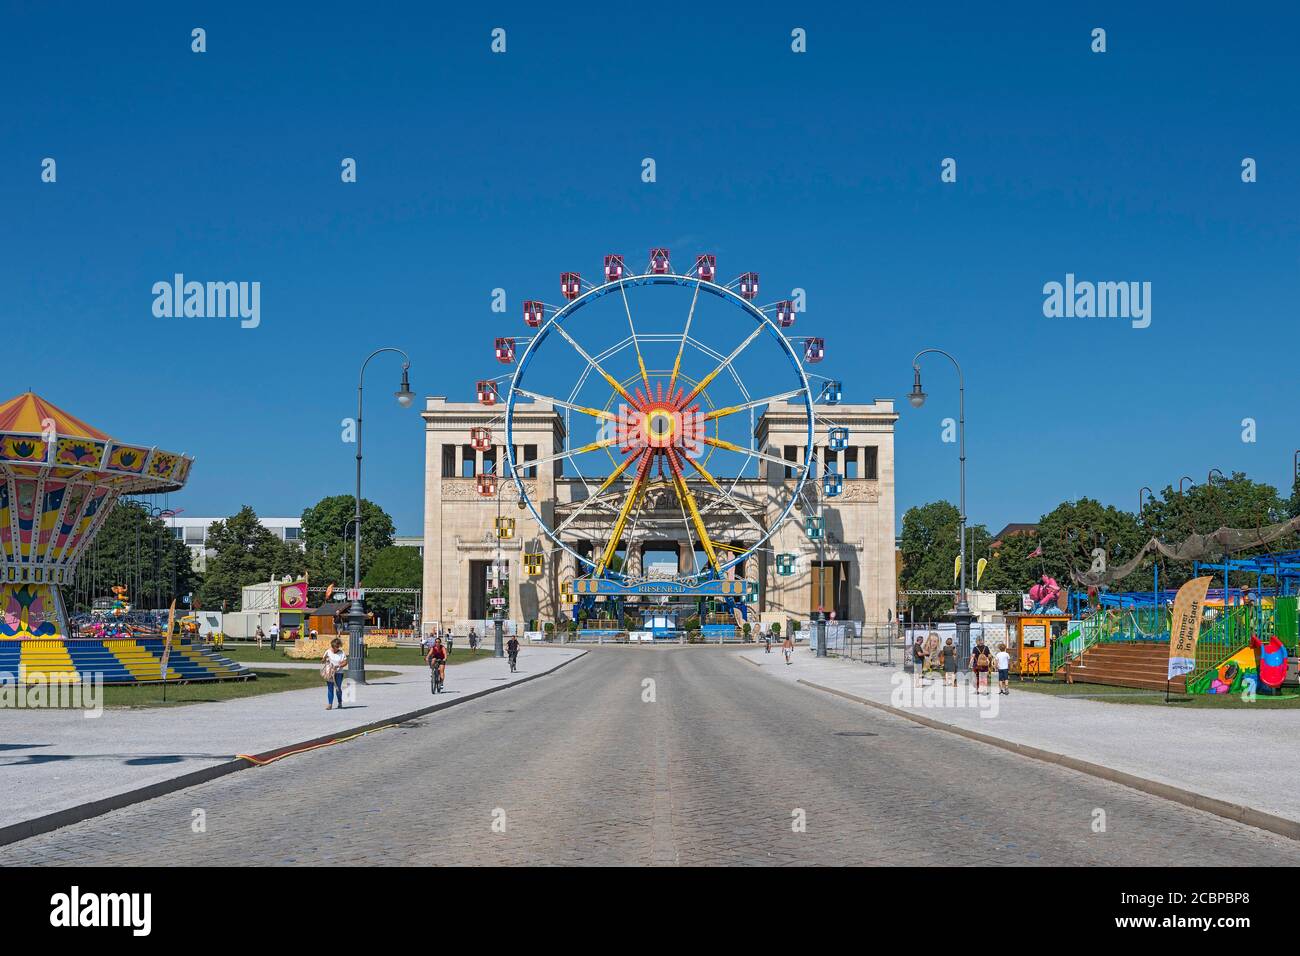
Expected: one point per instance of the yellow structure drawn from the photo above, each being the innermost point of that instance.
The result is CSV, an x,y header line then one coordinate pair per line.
x,y
1031,637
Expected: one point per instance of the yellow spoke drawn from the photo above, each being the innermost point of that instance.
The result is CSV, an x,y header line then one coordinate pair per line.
x,y
698,521
732,409
704,382
621,522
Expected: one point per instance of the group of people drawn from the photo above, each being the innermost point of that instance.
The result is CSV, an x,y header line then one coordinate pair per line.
x,y
435,651
787,646
982,660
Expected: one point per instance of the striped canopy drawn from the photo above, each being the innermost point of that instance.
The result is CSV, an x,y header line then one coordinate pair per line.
x,y
30,413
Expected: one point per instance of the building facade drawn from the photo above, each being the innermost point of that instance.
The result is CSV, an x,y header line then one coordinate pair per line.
x,y
193,531
851,572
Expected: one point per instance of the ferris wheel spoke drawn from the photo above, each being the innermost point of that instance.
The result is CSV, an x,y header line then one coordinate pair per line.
x,y
561,403
645,377
643,468
677,362
732,446
704,382
613,382
568,453
688,499
726,495
732,409
622,467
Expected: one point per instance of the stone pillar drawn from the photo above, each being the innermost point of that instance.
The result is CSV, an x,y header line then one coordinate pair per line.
x,y
685,557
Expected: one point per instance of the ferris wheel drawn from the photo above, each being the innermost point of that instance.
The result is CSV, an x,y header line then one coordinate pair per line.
x,y
661,378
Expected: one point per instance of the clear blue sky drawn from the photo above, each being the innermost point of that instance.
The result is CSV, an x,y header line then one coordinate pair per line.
x,y
818,170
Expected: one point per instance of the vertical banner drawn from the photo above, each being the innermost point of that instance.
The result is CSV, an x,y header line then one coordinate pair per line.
x,y
167,643
1185,628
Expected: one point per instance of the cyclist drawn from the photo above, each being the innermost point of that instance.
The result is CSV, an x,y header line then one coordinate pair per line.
x,y
512,648
437,659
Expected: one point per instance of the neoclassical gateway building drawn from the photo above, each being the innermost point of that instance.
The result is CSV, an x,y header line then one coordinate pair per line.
x,y
849,571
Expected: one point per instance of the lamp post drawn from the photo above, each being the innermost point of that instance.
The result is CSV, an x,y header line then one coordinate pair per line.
x,y
498,614
350,523
961,614
357,612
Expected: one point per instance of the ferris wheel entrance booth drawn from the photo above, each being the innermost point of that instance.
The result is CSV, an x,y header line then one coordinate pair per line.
x,y
60,478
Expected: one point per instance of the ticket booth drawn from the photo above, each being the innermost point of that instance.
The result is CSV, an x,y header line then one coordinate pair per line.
x,y
1032,637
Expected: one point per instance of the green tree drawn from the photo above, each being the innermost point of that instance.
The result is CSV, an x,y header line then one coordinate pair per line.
x,y
138,552
323,527
1073,532
244,552
394,567
930,543
1231,502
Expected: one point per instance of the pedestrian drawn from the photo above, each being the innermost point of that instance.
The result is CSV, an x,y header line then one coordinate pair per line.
x,y
949,657
275,634
260,635
1004,669
981,658
918,661
449,646
332,664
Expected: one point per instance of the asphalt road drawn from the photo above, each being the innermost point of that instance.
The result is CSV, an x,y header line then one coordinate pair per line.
x,y
722,766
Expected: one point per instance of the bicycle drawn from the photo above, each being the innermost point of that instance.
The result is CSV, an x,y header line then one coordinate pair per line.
x,y
435,679
514,658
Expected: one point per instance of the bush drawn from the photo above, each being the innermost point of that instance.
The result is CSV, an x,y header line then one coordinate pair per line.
x,y
776,629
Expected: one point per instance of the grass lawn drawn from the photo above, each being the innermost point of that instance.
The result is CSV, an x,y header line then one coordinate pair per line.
x,y
252,654
1289,698
268,682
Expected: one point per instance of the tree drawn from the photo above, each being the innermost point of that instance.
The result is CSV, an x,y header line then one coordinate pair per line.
x,y
394,567
138,552
244,552
323,527
930,544
1072,533
1235,502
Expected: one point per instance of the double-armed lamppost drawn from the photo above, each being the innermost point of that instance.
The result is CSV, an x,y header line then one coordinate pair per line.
x,y
357,612
961,614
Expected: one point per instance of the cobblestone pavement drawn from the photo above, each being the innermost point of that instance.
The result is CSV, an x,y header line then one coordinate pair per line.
x,y
720,768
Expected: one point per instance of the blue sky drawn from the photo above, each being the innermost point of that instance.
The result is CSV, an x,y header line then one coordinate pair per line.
x,y
818,170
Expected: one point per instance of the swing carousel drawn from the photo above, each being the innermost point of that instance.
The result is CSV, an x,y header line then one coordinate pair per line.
x,y
59,480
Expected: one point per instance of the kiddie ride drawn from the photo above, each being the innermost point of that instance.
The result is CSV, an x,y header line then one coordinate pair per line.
x,y
660,397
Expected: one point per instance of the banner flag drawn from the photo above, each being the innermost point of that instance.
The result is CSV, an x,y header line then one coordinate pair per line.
x,y
980,565
1185,628
956,568
167,642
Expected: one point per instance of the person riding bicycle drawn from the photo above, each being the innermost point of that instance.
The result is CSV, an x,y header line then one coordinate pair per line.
x,y
437,657
512,649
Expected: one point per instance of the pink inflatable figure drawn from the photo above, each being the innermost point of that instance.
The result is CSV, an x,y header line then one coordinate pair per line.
x,y
1046,593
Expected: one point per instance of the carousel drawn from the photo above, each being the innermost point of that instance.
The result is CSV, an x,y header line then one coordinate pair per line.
x,y
59,480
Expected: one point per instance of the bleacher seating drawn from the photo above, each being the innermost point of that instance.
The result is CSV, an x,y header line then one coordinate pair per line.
x,y
117,660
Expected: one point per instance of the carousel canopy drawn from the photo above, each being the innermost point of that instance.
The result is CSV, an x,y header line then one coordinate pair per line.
x,y
39,439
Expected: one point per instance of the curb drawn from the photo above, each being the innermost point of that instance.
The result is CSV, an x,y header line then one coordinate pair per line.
x,y
25,829
1189,798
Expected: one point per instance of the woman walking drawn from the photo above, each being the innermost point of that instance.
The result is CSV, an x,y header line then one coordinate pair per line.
x,y
949,657
332,665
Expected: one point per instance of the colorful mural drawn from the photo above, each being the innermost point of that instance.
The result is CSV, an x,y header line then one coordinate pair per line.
x,y
28,611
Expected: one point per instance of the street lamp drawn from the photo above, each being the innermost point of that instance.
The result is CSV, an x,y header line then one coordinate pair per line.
x,y
961,614
357,612
498,613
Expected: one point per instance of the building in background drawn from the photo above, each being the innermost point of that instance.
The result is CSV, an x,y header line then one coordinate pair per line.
x,y
193,531
856,569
